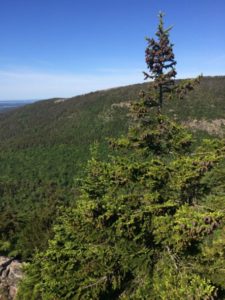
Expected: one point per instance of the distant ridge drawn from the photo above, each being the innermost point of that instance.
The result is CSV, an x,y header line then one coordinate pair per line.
x,y
81,120
11,104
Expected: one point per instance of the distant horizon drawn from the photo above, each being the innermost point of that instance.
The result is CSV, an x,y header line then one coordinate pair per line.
x,y
8,105
92,91
18,100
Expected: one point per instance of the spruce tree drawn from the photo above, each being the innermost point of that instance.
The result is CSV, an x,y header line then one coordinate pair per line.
x,y
160,61
148,223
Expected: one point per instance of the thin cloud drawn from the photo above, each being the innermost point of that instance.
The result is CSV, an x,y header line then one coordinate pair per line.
x,y
20,84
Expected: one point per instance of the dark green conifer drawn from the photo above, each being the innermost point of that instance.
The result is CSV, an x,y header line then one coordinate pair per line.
x,y
146,223
160,61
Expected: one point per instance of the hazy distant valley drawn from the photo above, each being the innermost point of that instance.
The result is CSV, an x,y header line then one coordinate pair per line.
x,y
11,104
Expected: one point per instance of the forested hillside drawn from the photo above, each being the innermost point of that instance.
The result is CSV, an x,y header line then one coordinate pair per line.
x,y
62,118
147,221
118,194
44,147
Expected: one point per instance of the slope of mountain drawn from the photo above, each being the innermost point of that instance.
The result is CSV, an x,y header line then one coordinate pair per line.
x,y
48,132
59,121
44,146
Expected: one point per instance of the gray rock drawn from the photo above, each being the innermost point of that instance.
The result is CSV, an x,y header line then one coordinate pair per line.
x,y
10,276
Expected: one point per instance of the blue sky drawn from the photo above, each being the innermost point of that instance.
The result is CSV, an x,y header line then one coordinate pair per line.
x,y
61,48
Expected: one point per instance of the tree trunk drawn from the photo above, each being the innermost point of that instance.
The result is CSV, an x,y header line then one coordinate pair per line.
x,y
160,99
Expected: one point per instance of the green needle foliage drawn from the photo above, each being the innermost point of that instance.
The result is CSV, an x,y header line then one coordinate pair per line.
x,y
148,223
160,61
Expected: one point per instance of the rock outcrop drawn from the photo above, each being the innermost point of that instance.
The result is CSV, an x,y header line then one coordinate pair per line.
x,y
10,276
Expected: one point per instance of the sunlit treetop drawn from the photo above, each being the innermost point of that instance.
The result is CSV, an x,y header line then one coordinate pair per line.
x,y
160,60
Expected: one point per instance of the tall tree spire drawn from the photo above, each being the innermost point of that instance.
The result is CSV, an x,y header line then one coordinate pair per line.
x,y
160,61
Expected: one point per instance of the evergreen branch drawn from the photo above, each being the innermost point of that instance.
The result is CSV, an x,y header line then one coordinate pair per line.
x,y
172,257
102,279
